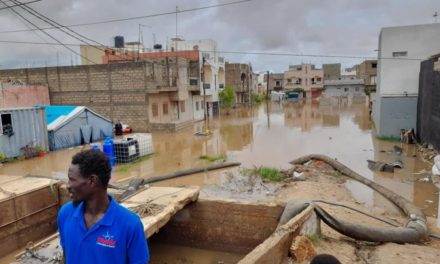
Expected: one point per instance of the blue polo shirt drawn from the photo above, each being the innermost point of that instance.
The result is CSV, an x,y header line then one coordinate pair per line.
x,y
117,238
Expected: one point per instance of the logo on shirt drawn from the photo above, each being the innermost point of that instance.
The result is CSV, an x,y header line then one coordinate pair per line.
x,y
106,240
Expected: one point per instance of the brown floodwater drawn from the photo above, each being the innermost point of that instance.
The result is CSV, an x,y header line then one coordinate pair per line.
x,y
271,135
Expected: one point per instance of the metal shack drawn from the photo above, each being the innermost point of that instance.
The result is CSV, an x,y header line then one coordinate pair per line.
x,y
22,128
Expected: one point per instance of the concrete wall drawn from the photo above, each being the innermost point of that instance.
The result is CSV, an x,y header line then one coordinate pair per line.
x,y
17,95
398,77
396,113
332,71
242,87
118,91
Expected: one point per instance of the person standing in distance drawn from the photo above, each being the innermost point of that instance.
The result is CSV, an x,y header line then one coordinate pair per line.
x,y
93,227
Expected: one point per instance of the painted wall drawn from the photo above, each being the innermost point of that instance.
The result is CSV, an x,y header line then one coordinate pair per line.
x,y
23,95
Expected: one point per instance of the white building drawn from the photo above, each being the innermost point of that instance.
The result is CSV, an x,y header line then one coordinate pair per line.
x,y
212,67
401,50
344,88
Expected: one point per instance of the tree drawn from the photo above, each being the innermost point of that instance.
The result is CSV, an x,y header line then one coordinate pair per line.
x,y
227,98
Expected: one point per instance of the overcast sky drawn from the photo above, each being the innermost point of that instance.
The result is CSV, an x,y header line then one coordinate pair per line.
x,y
322,27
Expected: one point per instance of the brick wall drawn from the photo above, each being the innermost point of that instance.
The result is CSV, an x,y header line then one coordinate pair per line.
x,y
118,91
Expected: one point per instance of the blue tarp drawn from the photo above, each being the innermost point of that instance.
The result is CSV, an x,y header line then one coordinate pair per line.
x,y
55,111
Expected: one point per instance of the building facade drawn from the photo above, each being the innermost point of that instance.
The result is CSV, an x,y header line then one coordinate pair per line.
x,y
367,71
401,50
148,95
344,88
332,71
276,81
306,77
241,78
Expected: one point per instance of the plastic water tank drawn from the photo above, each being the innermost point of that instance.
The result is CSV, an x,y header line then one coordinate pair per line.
x,y
108,149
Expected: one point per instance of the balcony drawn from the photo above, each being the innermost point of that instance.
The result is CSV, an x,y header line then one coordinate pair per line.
x,y
206,86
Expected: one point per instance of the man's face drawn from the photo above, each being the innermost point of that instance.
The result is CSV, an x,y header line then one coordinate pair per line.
x,y
79,187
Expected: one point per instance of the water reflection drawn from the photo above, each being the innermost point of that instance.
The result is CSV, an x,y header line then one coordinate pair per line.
x,y
273,134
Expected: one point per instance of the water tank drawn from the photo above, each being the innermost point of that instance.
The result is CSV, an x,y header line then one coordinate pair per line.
x,y
107,148
119,42
157,46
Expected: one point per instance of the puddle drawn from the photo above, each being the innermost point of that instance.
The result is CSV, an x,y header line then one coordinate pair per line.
x,y
271,135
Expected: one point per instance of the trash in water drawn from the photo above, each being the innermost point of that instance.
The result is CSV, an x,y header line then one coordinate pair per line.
x,y
398,150
398,164
380,166
426,179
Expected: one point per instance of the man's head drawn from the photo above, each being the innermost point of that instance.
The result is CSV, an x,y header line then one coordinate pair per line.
x,y
89,173
325,259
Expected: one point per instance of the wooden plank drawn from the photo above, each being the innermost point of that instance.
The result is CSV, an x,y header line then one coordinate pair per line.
x,y
173,199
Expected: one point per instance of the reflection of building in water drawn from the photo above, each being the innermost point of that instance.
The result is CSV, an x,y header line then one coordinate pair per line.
x,y
307,115
236,137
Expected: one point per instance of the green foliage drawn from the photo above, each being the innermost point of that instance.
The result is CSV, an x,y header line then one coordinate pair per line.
x,y
269,173
40,149
296,90
213,158
2,157
127,167
227,97
258,98
388,138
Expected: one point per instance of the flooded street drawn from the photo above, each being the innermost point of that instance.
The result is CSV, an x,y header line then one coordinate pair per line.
x,y
271,135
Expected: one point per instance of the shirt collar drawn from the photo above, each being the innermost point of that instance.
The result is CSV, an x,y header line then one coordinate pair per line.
x,y
108,217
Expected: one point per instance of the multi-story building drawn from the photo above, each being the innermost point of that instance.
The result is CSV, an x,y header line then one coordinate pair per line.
x,y
367,71
276,81
306,77
241,78
401,50
332,71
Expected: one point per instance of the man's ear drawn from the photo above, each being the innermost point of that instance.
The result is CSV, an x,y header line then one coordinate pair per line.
x,y
94,180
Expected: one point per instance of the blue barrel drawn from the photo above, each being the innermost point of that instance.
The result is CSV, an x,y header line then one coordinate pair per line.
x,y
107,148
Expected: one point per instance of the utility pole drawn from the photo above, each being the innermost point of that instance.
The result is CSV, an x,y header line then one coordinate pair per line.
x,y
267,85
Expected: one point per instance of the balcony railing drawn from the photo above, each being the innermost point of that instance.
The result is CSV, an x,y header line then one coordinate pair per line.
x,y
206,86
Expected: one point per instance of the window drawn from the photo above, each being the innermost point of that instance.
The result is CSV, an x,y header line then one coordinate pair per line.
x,y
289,80
165,109
319,79
6,124
373,80
278,83
155,110
193,81
374,65
182,106
357,89
197,106
400,54
345,89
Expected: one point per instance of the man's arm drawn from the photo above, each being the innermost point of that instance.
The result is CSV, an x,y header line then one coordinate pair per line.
x,y
137,250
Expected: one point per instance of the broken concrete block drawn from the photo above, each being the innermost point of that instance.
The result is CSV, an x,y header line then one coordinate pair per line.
x,y
302,249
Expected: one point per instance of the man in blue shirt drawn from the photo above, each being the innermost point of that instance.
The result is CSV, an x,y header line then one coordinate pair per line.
x,y
93,227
